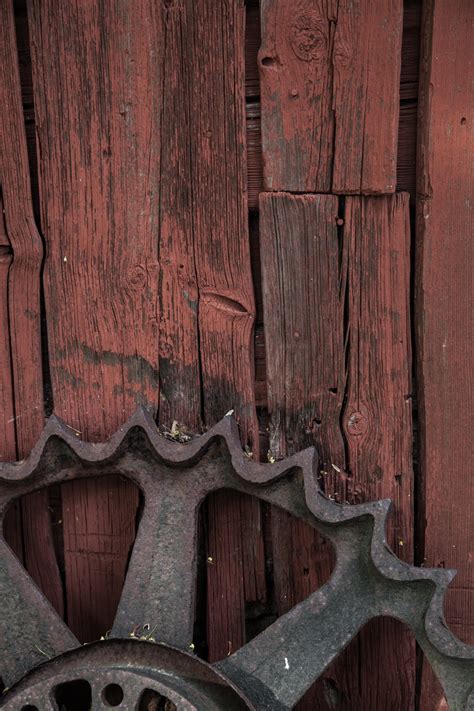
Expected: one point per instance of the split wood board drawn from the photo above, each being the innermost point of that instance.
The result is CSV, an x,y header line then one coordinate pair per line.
x,y
330,84
148,284
336,314
28,526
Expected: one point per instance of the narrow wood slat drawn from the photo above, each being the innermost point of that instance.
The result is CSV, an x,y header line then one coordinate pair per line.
x,y
24,309
12,523
377,419
179,366
377,427
97,73
226,308
330,73
307,270
443,307
304,336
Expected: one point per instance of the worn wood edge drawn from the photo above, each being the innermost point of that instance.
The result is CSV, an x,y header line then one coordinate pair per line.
x,y
25,309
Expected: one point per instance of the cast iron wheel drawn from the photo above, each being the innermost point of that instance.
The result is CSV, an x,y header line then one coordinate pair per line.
x,y
274,670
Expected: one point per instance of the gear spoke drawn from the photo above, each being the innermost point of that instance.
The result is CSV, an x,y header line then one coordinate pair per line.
x,y
276,668
30,629
157,601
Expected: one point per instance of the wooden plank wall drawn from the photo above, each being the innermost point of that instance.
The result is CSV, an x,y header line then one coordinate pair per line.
x,y
444,324
163,273
195,221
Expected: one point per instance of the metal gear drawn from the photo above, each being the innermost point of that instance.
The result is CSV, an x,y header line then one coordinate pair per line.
x,y
272,671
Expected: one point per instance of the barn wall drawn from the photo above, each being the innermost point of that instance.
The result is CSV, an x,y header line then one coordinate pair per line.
x,y
197,225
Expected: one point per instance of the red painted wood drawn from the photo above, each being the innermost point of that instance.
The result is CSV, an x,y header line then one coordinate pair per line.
x,y
377,426
354,407
304,330
206,295
226,310
23,297
377,418
98,119
330,74
104,352
444,306
12,523
304,334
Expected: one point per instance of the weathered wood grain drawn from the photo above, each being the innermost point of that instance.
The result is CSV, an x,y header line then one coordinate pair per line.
x,y
23,297
304,337
336,314
179,365
206,296
329,74
304,329
377,418
443,306
226,311
12,523
165,201
377,425
97,73
296,95
367,58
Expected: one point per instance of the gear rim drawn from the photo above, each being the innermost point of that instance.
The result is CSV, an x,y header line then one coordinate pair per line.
x,y
216,460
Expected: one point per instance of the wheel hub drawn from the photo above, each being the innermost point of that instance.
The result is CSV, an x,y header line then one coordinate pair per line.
x,y
124,674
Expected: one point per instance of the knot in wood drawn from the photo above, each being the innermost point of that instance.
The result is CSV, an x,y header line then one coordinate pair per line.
x,y
357,424
308,40
137,277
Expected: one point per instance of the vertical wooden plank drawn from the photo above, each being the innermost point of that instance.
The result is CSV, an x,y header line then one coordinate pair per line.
x,y
377,426
362,425
12,523
226,310
296,94
367,58
303,291
304,330
97,83
7,410
179,364
377,418
444,306
24,306
330,72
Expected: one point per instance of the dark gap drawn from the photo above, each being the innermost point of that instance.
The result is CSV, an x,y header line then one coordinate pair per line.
x,y
9,326
73,695
408,102
406,180
26,80
55,503
200,618
151,700
344,297
112,695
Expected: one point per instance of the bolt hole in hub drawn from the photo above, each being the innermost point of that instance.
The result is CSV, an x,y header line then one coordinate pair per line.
x,y
124,674
112,695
